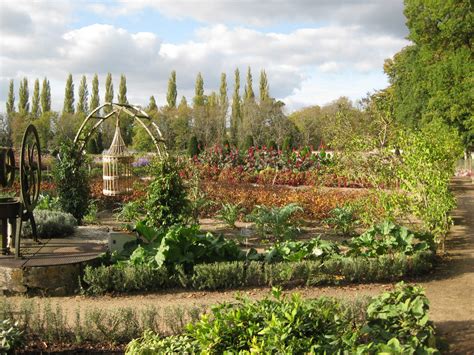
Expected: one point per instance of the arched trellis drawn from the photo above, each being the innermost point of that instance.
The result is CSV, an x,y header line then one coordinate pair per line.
x,y
95,119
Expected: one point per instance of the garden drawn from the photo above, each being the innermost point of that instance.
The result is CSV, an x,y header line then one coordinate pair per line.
x,y
230,226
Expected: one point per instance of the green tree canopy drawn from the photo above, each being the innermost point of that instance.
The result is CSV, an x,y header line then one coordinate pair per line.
x,y
45,96
82,104
95,100
35,101
23,98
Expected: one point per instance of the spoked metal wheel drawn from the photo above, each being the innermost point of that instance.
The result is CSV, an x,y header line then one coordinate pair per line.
x,y
30,168
7,167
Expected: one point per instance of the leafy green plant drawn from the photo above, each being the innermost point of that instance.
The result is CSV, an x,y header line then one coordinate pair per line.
x,y
396,322
230,213
10,335
315,248
71,178
342,219
48,202
130,212
91,215
51,224
399,319
166,201
388,238
275,221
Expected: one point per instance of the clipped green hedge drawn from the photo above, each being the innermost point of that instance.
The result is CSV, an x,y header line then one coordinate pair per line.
x,y
228,275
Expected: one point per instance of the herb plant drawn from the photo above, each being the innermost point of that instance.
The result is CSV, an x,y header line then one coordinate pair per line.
x,y
275,221
230,213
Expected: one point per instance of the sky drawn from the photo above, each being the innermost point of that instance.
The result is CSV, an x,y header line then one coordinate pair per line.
x,y
313,51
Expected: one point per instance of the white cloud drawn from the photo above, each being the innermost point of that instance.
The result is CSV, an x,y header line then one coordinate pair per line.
x,y
296,62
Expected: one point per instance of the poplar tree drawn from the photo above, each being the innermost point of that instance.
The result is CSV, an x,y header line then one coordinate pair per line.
x,y
35,100
45,96
82,105
23,98
199,91
122,95
109,92
11,99
172,94
94,103
223,104
249,94
152,106
264,88
68,107
236,115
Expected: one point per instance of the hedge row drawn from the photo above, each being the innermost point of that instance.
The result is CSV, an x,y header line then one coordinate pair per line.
x,y
228,275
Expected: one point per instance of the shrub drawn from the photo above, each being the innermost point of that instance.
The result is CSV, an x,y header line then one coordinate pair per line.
x,y
394,322
72,181
51,224
218,276
193,149
230,213
275,221
342,219
10,336
388,238
166,202
315,248
48,202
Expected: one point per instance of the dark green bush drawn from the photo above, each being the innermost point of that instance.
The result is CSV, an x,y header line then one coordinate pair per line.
x,y
72,182
166,202
193,149
51,224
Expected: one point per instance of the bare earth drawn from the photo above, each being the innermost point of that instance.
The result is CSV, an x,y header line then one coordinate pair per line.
x,y
450,288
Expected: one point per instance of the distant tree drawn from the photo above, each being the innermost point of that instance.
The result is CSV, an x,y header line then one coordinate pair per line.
x,y
249,95
223,107
264,87
95,100
109,91
199,91
45,96
122,95
35,101
10,104
172,93
236,114
23,98
193,149
82,104
152,104
68,107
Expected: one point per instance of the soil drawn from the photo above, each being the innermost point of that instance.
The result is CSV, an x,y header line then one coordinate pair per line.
x,y
450,287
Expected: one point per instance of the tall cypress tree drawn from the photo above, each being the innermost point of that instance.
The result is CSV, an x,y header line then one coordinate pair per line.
x,y
236,115
35,101
199,91
109,92
23,98
45,96
94,103
172,93
249,94
82,104
11,99
264,88
122,95
68,107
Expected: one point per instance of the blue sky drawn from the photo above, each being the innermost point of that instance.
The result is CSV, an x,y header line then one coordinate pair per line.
x,y
313,51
